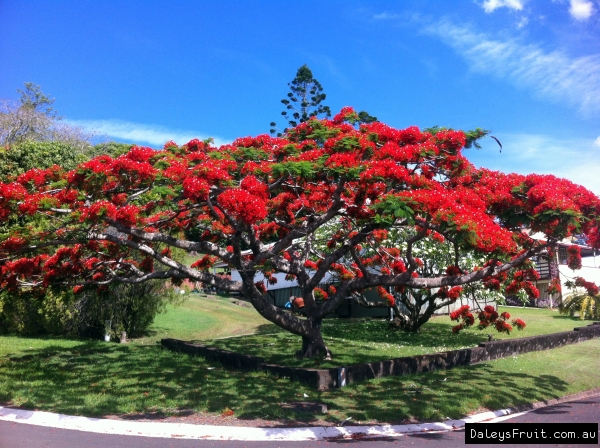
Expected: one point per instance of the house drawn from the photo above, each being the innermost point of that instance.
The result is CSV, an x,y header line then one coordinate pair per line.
x,y
281,292
557,268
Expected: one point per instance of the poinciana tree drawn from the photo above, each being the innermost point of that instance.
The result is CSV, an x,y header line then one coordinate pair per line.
x,y
261,203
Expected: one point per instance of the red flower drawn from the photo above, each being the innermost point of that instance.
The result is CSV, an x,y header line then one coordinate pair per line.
x,y
321,294
310,265
591,288
242,205
519,324
574,260
261,287
255,187
457,328
554,287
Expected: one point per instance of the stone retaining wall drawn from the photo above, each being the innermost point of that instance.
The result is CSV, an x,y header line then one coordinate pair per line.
x,y
324,379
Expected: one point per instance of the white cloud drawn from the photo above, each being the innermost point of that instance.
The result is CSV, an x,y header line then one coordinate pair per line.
x,y
139,133
386,16
522,22
574,159
491,5
552,75
581,9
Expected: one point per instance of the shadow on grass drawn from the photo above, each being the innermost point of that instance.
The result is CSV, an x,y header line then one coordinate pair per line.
x,y
269,329
574,319
137,382
452,393
432,333
351,342
146,382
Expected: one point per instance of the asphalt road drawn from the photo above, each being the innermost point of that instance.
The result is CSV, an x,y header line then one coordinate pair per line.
x,y
19,435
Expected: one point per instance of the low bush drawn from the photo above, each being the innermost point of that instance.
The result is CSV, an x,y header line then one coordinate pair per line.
x,y
129,308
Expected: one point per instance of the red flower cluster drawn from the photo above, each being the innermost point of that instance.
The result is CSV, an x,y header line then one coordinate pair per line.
x,y
590,287
519,324
488,317
385,295
453,270
554,287
453,293
320,294
464,315
523,279
242,205
574,259
261,287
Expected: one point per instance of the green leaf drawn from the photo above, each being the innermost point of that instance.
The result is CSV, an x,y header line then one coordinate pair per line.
x,y
392,208
303,169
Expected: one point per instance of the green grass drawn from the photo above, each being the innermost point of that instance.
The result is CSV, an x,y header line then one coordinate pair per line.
x,y
94,378
202,318
364,340
97,379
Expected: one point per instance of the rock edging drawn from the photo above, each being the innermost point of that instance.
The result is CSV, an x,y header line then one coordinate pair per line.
x,y
325,379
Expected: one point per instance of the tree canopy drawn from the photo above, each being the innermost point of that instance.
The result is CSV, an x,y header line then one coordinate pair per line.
x,y
318,204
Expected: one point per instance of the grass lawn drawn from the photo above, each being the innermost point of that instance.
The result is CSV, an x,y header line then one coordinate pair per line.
x,y
357,341
94,378
203,317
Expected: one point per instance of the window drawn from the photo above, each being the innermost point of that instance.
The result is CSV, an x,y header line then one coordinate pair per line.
x,y
562,255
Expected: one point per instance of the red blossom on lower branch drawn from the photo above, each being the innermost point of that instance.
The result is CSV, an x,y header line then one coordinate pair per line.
x,y
321,294
591,288
574,259
519,324
261,287
554,287
488,317
385,295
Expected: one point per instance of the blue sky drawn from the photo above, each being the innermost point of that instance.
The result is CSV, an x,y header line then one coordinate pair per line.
x,y
149,71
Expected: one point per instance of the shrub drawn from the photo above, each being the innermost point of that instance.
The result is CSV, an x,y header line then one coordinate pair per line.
x,y
586,305
130,308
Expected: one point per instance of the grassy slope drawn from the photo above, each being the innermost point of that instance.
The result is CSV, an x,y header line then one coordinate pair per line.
x,y
206,317
94,378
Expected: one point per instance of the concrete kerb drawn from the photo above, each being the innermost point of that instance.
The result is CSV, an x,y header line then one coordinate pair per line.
x,y
203,432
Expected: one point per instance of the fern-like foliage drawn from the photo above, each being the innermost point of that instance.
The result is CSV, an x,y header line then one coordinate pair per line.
x,y
588,307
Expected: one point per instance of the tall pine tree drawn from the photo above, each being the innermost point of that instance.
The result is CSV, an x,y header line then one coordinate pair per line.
x,y
304,101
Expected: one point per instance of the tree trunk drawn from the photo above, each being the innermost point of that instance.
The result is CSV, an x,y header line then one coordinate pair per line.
x,y
314,347
309,329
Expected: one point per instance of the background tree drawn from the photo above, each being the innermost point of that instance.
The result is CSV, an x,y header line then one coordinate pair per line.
x,y
122,219
32,98
435,257
34,119
30,154
584,299
304,101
